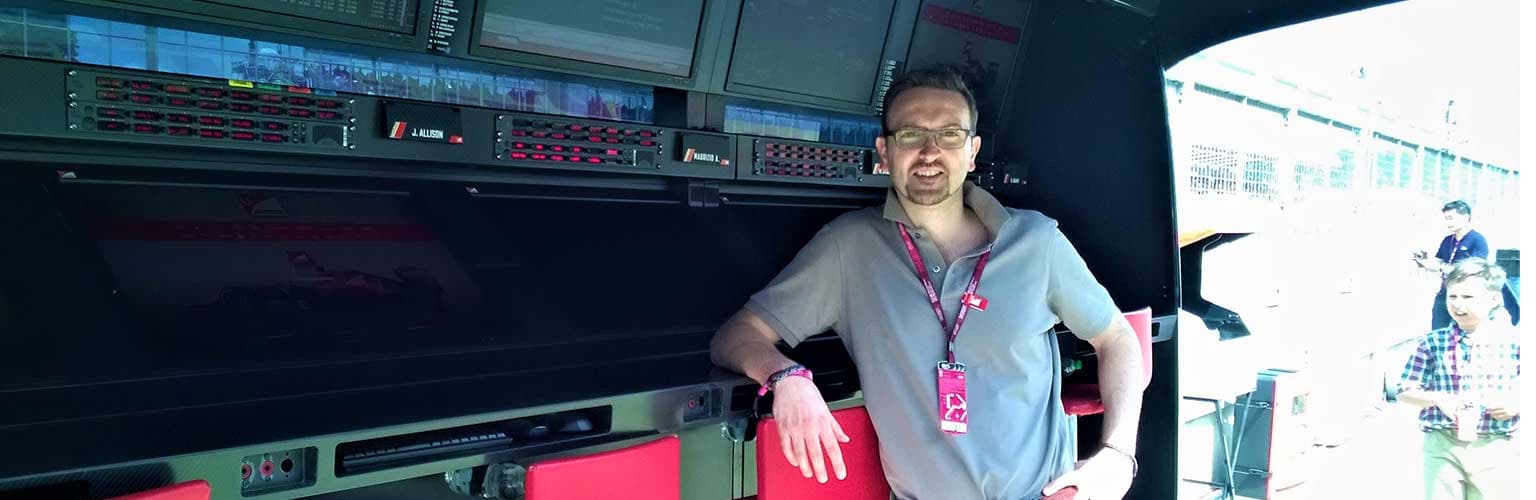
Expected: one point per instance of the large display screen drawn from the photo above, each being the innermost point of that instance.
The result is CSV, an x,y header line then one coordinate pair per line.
x,y
149,279
657,36
397,16
822,48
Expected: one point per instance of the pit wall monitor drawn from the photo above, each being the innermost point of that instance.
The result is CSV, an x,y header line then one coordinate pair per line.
x,y
834,54
385,23
665,43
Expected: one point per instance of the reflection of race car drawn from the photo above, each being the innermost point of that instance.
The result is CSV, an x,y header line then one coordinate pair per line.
x,y
412,288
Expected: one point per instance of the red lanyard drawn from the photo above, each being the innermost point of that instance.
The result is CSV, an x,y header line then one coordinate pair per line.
x,y
933,297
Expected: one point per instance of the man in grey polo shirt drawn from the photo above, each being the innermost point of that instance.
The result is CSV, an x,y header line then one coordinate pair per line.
x,y
868,274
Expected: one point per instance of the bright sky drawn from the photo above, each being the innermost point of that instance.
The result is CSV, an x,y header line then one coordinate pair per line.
x,y
1417,55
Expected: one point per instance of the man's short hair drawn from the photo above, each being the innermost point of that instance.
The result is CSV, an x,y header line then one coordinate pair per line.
x,y
1458,206
937,78
1476,267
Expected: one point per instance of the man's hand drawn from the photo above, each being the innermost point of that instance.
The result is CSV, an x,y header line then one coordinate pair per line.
x,y
806,427
1503,413
1104,476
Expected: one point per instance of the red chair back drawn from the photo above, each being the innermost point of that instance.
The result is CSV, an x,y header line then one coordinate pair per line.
x,y
777,480
650,471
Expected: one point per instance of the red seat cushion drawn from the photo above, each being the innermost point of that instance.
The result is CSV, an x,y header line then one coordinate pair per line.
x,y
190,490
1084,399
651,471
778,480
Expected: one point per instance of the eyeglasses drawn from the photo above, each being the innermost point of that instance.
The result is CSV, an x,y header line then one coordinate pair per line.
x,y
947,138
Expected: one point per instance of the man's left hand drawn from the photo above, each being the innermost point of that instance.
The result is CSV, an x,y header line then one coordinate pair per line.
x,y
1104,476
1502,414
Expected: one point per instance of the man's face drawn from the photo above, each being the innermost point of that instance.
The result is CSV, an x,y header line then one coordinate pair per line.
x,y
1470,302
928,173
1454,220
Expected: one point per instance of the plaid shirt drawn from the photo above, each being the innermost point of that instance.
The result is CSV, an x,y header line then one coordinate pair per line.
x,y
1449,360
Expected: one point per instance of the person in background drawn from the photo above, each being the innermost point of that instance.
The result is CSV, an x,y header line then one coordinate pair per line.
x,y
1465,377
1463,242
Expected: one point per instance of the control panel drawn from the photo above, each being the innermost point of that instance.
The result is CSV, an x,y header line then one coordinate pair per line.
x,y
541,141
810,162
163,110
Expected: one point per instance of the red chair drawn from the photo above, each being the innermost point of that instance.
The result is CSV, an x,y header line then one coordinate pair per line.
x,y
650,471
190,490
1084,399
777,480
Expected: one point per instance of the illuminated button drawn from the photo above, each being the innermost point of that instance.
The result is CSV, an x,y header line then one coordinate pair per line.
x,y
574,159
178,89
576,149
327,103
274,125
300,101
611,152
300,90
538,156
557,157
210,133
519,156
557,135
300,112
242,107
103,81
594,139
109,113
647,142
539,147
210,104
241,135
210,121
595,128
272,98
107,95
327,115
541,134
142,98
178,131
519,133
271,110
179,118
111,126
272,138
519,145
179,102
594,159
646,133
242,123
147,115
611,130
614,140
144,85
215,93
241,95
576,128
557,148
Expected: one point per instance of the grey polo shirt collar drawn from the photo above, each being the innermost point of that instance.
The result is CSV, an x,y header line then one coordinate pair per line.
x,y
992,213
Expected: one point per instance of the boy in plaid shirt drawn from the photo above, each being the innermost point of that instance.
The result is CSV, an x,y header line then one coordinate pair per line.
x,y
1466,378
